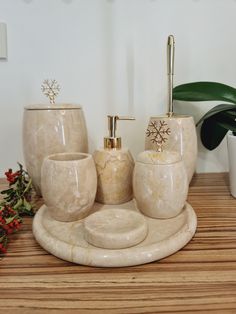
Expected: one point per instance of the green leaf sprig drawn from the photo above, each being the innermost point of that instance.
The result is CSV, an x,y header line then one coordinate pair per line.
x,y
19,194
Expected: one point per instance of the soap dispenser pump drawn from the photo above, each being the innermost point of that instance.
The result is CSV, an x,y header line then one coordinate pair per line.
x,y
114,166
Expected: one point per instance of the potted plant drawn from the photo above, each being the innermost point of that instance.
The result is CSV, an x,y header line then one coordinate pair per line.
x,y
218,121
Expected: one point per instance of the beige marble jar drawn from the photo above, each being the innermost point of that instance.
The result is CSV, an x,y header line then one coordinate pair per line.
x,y
49,129
160,184
69,184
183,139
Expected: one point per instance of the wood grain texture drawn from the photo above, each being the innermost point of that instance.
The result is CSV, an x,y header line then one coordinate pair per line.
x,y
201,278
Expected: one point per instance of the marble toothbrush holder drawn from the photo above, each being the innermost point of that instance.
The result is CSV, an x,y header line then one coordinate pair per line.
x,y
160,184
69,185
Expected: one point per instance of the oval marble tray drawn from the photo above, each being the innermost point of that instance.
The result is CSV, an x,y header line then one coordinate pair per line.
x,y
66,239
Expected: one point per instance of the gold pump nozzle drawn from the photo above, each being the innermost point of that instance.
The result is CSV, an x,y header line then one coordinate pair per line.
x,y
112,141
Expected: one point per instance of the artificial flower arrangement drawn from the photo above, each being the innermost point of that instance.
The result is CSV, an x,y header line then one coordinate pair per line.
x,y
15,204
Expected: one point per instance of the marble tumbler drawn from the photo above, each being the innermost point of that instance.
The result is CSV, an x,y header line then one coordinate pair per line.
x,y
50,129
69,185
160,184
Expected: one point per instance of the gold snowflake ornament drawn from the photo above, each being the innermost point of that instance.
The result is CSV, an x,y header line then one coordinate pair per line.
x,y
51,89
158,133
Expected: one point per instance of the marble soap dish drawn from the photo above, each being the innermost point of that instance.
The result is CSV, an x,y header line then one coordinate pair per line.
x,y
152,240
115,228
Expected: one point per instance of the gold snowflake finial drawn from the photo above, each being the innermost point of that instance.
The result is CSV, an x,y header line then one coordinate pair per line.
x,y
158,133
51,89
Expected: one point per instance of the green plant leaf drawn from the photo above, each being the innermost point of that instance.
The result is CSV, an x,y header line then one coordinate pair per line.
x,y
28,186
204,91
18,204
215,110
226,119
27,205
214,128
8,191
230,116
232,111
10,219
212,133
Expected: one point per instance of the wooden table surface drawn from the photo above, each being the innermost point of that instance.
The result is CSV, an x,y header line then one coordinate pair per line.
x,y
201,278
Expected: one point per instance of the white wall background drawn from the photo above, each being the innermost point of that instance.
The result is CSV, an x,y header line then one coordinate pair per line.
x,y
110,56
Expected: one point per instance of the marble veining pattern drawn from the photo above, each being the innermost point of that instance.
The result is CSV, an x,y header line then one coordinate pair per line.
x,y
69,186
67,241
49,130
160,189
115,228
114,171
183,139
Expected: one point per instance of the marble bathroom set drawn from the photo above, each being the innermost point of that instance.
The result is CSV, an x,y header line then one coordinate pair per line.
x,y
105,209
90,216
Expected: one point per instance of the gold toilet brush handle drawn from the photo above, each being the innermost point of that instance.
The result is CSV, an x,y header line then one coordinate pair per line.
x,y
170,67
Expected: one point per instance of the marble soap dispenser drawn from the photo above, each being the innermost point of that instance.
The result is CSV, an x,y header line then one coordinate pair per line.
x,y
114,166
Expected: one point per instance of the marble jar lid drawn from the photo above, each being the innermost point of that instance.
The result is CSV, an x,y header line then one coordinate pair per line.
x,y
159,158
115,228
64,106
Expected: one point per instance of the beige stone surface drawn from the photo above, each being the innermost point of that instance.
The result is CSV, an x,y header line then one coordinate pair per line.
x,y
160,184
114,170
49,129
115,228
67,241
183,139
69,184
